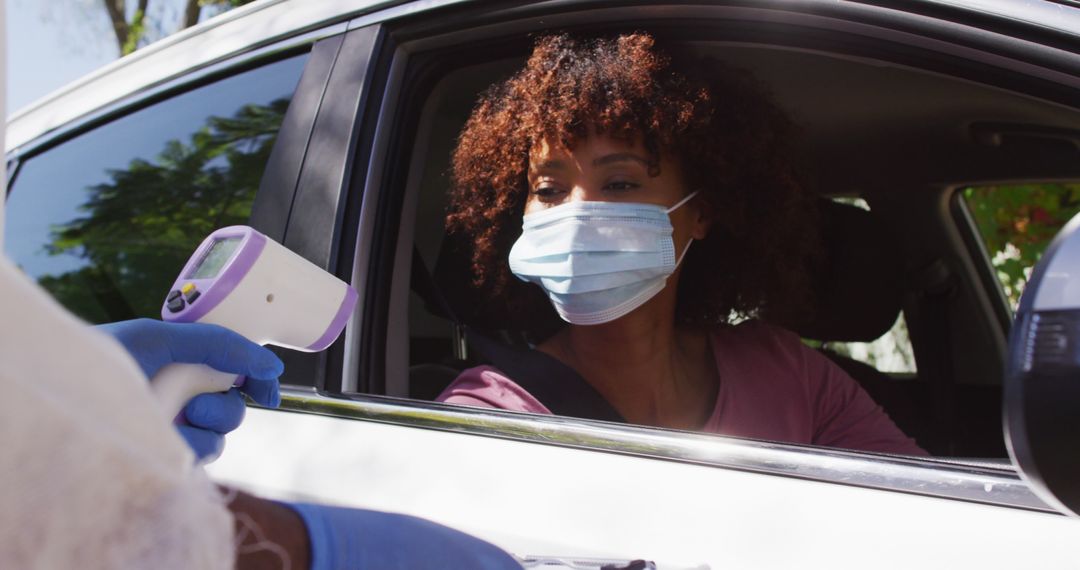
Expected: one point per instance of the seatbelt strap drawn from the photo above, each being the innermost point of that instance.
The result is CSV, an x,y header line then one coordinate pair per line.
x,y
937,286
557,386
560,388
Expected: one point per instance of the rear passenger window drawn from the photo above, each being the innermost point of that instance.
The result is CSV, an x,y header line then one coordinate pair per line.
x,y
1017,223
105,220
890,353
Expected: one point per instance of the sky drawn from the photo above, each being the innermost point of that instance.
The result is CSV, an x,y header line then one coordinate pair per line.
x,y
54,42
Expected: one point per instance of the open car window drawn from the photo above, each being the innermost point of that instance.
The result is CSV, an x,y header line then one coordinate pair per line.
x,y
1016,222
886,365
926,372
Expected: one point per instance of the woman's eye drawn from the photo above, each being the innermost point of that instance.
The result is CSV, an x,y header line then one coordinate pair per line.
x,y
621,185
547,191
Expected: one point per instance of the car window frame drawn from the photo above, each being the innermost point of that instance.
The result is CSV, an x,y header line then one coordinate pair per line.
x,y
367,373
367,255
365,268
987,280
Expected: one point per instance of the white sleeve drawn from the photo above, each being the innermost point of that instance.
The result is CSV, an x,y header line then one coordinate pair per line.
x,y
92,474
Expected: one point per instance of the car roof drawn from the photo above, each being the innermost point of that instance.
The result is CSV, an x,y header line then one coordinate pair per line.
x,y
235,32
266,22
1057,15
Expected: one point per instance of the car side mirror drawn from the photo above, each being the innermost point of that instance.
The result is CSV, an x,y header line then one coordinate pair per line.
x,y
1042,376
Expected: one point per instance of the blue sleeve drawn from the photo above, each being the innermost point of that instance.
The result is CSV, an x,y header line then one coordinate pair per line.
x,y
359,539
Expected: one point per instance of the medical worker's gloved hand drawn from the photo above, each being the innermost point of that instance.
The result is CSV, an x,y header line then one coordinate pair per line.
x,y
154,344
355,538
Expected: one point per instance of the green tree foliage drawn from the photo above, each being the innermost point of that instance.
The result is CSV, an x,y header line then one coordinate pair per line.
x,y
1017,223
141,226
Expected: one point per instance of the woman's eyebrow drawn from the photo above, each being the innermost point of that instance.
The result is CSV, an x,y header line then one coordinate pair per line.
x,y
619,157
550,164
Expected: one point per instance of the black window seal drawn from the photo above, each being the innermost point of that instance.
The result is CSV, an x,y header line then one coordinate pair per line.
x,y
14,165
277,187
329,189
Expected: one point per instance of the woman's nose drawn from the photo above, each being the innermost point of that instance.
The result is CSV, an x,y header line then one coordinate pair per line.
x,y
582,193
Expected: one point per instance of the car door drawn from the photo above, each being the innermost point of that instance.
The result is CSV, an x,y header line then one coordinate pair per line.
x,y
548,485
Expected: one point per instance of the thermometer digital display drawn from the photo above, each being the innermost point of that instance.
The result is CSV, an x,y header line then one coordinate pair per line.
x,y
220,252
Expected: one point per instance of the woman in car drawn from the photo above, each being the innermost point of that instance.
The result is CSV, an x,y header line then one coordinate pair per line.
x,y
652,197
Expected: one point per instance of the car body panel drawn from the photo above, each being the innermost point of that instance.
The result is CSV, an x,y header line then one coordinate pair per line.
x,y
532,498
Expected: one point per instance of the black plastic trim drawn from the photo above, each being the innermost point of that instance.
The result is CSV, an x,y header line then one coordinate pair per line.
x,y
317,209
342,131
969,233
371,340
13,166
383,246
277,188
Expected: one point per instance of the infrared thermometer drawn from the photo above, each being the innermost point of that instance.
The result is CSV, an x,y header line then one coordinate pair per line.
x,y
242,280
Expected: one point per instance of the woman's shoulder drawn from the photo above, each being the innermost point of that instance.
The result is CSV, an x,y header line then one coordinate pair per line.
x,y
774,356
756,336
488,387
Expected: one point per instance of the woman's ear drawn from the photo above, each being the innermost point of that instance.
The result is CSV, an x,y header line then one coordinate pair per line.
x,y
703,216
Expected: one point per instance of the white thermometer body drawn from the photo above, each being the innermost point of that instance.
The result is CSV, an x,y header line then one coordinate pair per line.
x,y
242,280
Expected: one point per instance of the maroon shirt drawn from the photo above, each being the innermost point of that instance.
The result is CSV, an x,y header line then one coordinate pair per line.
x,y
772,387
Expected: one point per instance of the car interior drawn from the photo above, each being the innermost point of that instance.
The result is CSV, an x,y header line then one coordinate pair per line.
x,y
900,137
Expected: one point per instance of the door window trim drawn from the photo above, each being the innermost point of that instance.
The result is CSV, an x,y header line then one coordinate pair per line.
x,y
991,485
965,225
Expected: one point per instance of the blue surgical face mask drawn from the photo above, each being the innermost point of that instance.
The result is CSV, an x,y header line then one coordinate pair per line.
x,y
597,261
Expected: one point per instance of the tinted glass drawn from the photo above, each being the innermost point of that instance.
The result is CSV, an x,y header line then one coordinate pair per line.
x,y
1017,223
215,259
106,220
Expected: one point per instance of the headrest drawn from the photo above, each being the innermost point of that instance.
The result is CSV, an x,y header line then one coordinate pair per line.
x,y
859,287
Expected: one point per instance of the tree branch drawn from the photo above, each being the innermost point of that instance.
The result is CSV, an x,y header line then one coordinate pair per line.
x,y
115,8
191,13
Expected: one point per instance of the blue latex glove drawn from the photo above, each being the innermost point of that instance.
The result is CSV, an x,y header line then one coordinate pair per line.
x,y
153,344
354,538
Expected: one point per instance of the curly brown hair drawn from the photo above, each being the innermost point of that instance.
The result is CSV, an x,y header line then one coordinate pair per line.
x,y
731,141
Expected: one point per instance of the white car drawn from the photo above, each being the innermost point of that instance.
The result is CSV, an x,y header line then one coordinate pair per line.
x,y
946,133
